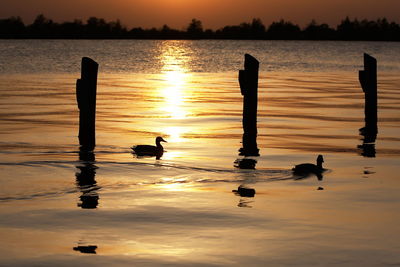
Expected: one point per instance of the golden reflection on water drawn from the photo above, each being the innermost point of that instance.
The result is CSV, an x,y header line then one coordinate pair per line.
x,y
173,184
174,133
173,155
174,59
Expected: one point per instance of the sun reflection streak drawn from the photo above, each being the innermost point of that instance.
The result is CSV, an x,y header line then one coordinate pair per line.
x,y
173,155
174,133
174,60
173,184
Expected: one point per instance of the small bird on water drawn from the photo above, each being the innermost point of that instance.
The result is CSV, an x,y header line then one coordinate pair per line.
x,y
309,168
149,150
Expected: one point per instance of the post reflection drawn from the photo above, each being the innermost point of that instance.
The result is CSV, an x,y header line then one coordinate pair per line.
x,y
245,163
369,134
245,192
85,180
367,148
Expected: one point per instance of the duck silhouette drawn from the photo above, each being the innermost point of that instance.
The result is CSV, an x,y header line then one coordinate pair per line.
x,y
305,169
149,150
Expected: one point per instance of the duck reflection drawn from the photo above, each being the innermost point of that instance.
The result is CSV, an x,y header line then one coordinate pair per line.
x,y
245,203
303,176
319,176
86,249
247,151
367,172
85,180
246,195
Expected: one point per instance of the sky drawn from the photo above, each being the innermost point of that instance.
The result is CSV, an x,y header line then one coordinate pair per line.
x,y
214,14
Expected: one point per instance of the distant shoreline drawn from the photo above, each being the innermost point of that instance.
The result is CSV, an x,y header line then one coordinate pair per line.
x,y
97,28
194,39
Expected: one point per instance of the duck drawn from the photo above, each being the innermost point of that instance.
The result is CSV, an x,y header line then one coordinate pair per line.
x,y
309,168
149,150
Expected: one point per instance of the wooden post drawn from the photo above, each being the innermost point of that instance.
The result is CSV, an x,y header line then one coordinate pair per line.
x,y
86,89
248,80
368,81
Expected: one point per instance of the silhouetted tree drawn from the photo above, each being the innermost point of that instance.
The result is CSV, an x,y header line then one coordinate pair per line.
x,y
284,30
73,29
12,27
116,27
229,32
94,27
195,27
165,29
136,33
41,20
167,33
253,30
257,27
42,27
368,30
393,32
313,31
209,34
348,30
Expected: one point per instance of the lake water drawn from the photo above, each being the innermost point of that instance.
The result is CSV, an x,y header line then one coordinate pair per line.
x,y
120,210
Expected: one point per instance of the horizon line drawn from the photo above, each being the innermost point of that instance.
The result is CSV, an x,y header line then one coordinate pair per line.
x,y
355,18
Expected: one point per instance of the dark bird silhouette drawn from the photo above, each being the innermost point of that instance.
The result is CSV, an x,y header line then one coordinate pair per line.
x,y
149,150
309,168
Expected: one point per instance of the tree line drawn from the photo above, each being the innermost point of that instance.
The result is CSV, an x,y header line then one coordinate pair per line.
x,y
98,28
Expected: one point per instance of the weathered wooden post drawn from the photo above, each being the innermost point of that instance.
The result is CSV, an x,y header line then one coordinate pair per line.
x,y
248,80
86,89
368,81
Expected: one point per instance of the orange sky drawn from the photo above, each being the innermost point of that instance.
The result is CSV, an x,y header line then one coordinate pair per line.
x,y
213,13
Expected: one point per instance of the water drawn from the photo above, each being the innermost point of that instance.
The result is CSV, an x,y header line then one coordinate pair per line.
x,y
210,56
121,210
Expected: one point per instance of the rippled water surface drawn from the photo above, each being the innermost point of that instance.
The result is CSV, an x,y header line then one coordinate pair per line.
x,y
114,209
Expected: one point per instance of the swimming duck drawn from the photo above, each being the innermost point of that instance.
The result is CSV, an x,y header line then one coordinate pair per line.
x,y
309,168
148,150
